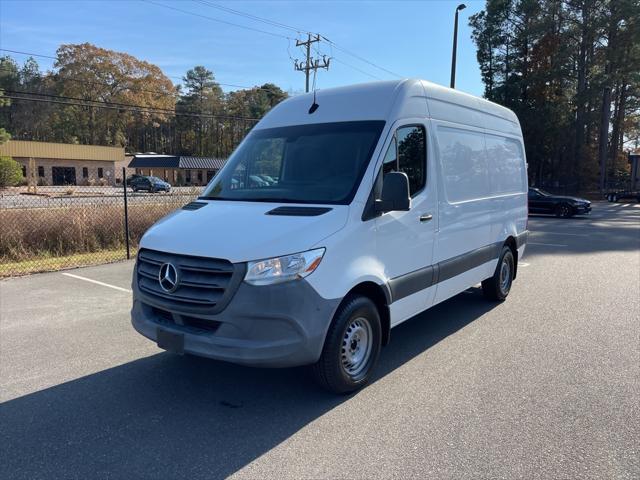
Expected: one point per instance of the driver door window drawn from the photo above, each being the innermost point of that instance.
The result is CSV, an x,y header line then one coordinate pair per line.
x,y
407,153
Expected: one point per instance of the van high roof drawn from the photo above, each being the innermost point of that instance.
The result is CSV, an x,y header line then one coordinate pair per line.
x,y
390,101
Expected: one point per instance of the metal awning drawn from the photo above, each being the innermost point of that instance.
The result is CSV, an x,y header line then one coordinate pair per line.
x,y
175,161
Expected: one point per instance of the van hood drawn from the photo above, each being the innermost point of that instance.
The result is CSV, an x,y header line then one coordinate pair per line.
x,y
242,231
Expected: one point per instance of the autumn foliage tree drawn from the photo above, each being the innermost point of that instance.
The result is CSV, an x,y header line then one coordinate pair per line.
x,y
103,97
95,75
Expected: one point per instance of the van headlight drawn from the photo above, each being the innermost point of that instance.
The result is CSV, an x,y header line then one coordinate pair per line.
x,y
283,269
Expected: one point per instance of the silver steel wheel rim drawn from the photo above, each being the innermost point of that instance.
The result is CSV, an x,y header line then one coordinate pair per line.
x,y
356,346
505,276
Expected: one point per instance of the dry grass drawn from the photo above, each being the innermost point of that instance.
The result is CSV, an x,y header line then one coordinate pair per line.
x,y
49,264
40,239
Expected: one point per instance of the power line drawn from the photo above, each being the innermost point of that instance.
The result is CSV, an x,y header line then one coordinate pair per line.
x,y
252,17
27,53
213,19
118,106
104,84
362,59
298,30
355,68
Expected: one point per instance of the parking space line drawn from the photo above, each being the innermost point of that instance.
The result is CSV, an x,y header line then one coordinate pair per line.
x,y
547,244
523,264
96,282
559,233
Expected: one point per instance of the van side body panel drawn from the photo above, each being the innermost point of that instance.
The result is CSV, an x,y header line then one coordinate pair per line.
x,y
483,184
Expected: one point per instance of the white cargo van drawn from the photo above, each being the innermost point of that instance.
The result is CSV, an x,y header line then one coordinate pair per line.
x,y
336,219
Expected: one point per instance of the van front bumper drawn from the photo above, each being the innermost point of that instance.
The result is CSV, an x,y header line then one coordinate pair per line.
x,y
280,325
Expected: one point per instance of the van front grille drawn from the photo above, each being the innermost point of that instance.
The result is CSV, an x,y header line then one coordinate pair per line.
x,y
203,284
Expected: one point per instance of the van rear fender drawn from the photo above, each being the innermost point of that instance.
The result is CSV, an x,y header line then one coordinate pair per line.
x,y
511,243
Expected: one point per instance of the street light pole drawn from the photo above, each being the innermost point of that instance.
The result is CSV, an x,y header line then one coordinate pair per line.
x,y
462,6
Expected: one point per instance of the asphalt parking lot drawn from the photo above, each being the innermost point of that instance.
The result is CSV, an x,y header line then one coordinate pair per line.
x,y
544,385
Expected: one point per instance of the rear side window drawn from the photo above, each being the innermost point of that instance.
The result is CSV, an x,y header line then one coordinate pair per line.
x,y
407,153
464,164
506,163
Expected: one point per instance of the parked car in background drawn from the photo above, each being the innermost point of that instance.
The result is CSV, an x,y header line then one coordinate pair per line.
x,y
558,205
623,195
149,184
133,179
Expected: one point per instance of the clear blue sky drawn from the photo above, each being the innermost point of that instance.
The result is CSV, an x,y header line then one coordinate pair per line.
x,y
410,38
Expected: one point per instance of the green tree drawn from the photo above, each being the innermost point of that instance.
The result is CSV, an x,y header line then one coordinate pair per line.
x,y
4,102
203,97
10,172
569,70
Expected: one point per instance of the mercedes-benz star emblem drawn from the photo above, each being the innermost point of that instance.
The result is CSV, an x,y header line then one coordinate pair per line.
x,y
168,277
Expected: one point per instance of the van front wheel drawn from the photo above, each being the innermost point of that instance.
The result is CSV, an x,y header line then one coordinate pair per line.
x,y
497,287
351,348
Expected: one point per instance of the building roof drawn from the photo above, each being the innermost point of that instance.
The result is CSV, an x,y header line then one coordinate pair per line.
x,y
61,151
176,161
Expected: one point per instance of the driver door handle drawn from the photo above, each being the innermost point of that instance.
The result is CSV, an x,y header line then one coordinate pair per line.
x,y
426,217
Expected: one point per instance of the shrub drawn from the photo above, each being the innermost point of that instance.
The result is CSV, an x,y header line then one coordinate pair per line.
x,y
10,172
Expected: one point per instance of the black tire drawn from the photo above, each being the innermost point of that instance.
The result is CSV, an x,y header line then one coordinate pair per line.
x,y
135,189
614,198
332,371
564,210
609,198
497,288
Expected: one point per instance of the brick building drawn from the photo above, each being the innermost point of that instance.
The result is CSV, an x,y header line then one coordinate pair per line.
x,y
69,164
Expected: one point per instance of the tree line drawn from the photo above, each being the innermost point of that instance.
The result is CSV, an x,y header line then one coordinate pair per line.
x,y
102,97
570,69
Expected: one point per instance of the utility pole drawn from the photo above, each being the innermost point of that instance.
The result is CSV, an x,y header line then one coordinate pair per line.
x,y
310,63
462,6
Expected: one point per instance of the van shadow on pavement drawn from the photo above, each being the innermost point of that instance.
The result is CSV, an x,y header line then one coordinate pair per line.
x,y
166,416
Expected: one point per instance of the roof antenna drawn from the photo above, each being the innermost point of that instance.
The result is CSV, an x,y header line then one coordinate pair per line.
x,y
314,106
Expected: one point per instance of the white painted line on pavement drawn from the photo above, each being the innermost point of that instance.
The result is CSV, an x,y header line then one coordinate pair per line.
x,y
559,233
96,282
547,244
523,264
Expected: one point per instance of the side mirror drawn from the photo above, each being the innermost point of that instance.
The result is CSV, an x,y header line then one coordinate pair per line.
x,y
395,193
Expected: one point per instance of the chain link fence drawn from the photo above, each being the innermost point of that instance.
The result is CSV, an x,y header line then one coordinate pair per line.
x,y
61,227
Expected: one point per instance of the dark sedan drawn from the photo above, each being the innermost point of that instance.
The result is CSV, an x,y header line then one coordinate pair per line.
x,y
150,184
558,205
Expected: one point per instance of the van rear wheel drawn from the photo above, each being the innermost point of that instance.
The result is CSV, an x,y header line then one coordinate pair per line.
x,y
498,287
351,348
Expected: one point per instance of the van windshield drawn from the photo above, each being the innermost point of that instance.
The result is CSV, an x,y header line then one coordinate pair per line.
x,y
321,163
